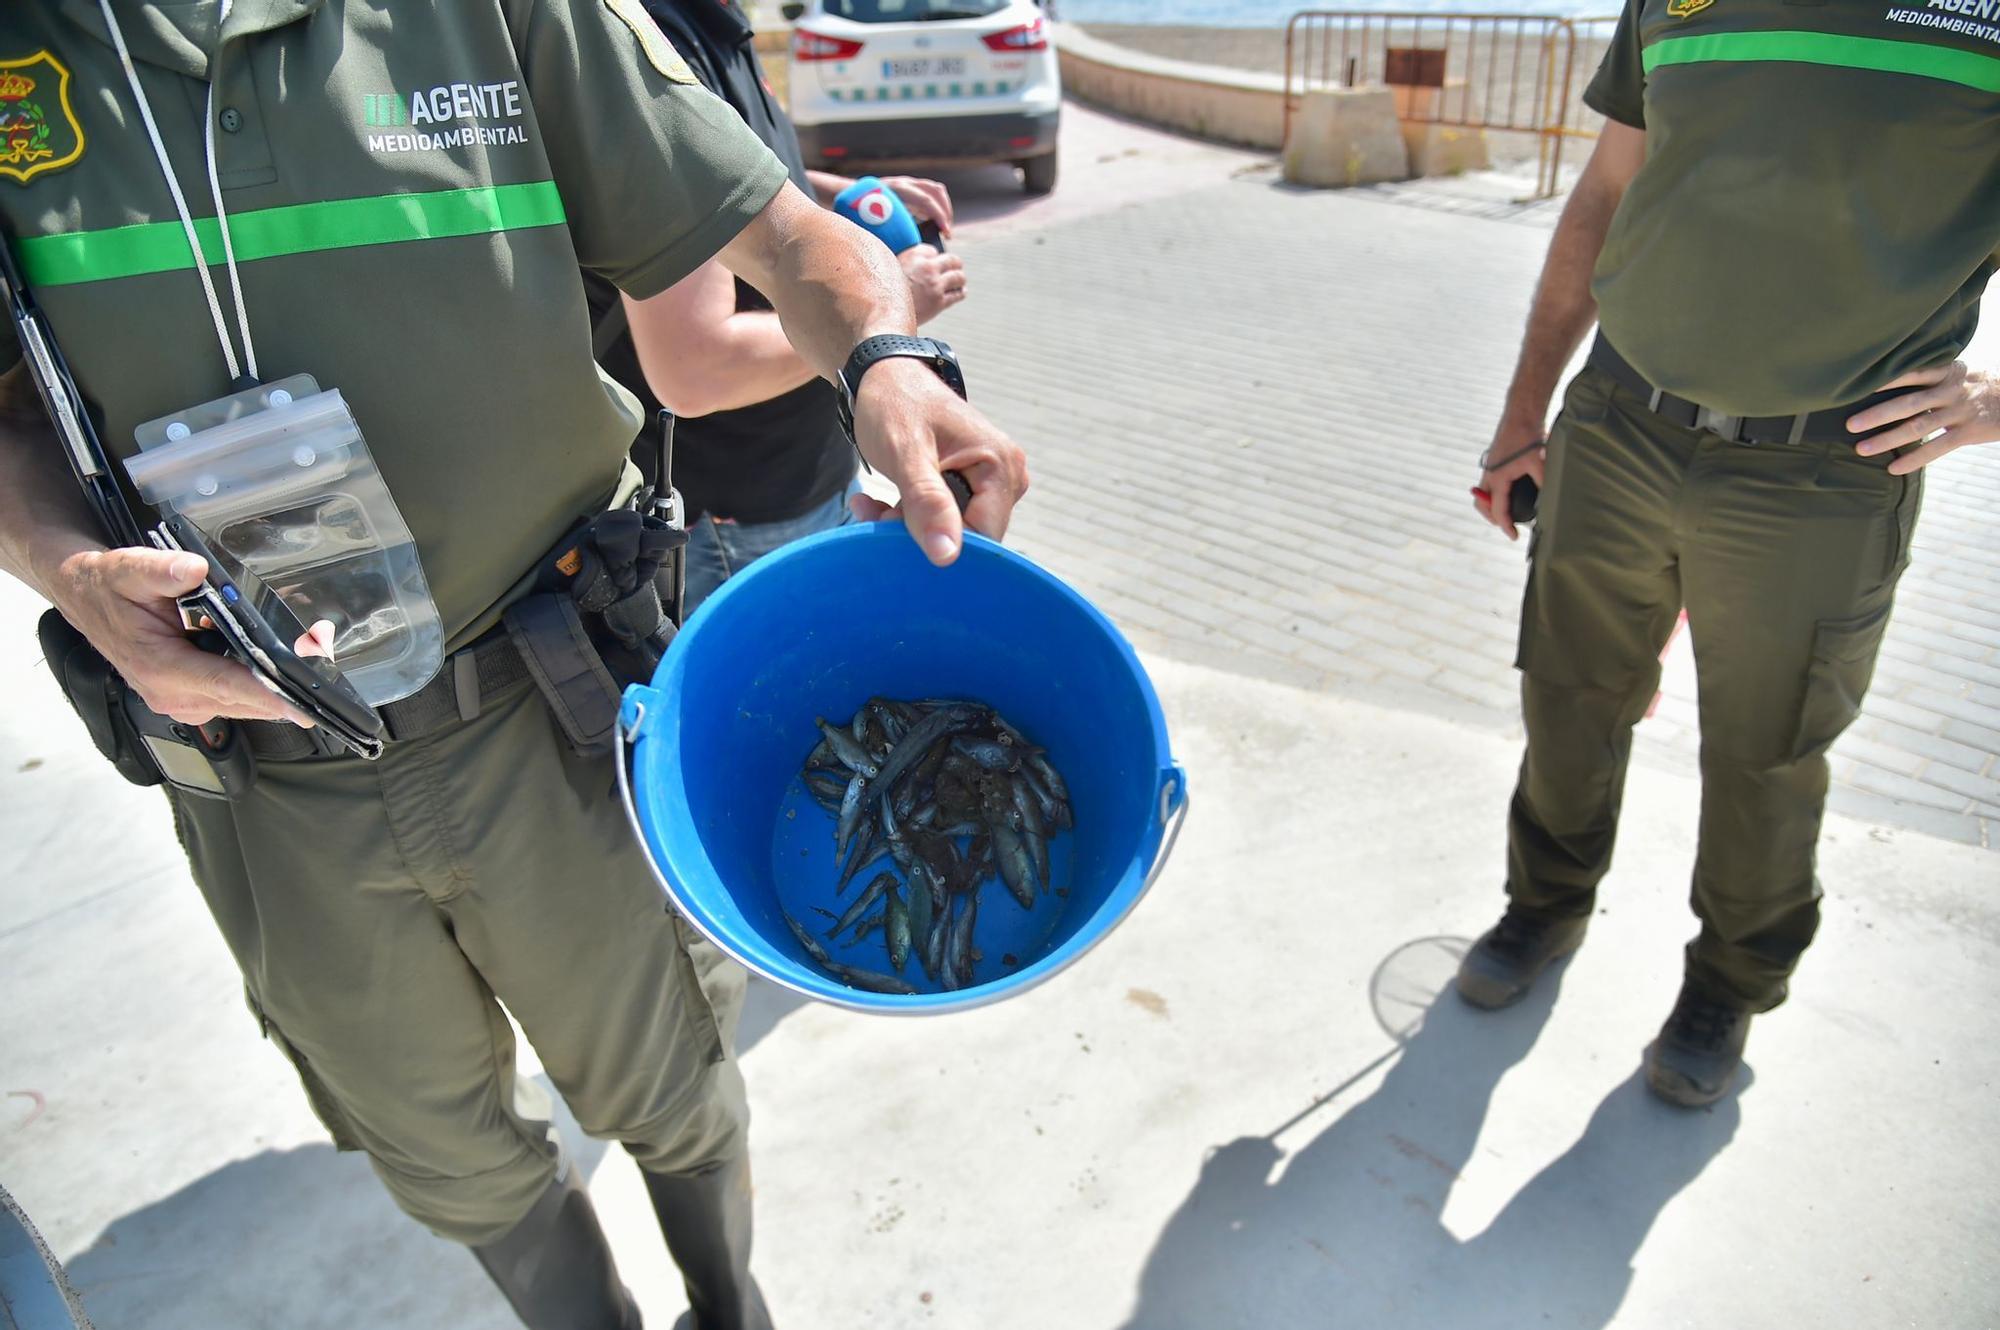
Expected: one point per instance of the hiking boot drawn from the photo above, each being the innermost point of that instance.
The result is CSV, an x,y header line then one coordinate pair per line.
x,y
1503,965
1694,1061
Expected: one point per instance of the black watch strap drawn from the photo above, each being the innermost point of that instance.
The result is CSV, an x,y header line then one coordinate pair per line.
x,y
889,346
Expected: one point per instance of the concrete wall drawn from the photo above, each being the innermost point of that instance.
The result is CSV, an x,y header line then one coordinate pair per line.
x,y
1208,101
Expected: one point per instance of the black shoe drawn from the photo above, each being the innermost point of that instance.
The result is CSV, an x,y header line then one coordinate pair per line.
x,y
1503,965
1694,1061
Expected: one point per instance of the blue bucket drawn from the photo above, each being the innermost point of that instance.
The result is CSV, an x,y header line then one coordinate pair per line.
x,y
717,741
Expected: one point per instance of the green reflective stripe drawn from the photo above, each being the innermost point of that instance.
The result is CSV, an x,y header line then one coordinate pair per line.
x,y
300,228
1970,68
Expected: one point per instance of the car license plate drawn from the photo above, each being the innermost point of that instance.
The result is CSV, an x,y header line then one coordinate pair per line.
x,y
925,67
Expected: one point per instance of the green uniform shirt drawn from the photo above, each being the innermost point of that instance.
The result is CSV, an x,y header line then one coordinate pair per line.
x,y
411,189
1819,208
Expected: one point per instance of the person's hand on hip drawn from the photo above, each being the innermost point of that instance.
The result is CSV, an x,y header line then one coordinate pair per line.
x,y
1958,405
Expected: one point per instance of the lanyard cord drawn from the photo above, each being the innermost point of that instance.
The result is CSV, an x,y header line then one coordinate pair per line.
x,y
180,203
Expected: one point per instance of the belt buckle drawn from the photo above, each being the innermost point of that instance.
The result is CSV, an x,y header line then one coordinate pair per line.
x,y
1729,428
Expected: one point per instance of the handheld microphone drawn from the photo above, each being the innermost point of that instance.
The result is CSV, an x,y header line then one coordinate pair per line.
x,y
874,207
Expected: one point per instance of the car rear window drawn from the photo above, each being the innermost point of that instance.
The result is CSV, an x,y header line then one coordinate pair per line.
x,y
912,11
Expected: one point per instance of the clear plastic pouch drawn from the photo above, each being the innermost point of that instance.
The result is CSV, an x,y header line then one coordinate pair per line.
x,y
280,480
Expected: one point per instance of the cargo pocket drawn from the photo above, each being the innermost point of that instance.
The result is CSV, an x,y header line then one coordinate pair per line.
x,y
704,1023
324,1106
1843,663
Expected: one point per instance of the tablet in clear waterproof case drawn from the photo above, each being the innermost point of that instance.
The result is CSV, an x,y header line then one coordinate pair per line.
x,y
280,481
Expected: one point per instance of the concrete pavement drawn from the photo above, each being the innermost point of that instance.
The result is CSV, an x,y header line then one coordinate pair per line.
x,y
1242,1110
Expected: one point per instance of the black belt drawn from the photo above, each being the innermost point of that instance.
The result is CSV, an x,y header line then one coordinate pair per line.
x,y
471,677
1806,427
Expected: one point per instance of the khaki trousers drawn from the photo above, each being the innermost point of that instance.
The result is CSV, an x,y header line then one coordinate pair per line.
x,y
1786,558
383,911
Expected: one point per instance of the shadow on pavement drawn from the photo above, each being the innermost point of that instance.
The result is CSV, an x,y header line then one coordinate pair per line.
x,y
304,1239
1350,1233
764,1005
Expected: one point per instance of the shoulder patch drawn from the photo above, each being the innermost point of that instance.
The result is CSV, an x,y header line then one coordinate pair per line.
x,y
39,130
660,52
1687,8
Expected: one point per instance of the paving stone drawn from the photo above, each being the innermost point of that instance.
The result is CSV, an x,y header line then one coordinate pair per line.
x,y
1888,783
1902,761
1974,735
1980,789
1965,757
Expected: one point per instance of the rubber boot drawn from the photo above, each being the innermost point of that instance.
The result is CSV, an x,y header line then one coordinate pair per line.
x,y
705,1218
555,1267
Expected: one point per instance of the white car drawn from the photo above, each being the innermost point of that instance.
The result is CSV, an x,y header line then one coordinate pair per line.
x,y
907,83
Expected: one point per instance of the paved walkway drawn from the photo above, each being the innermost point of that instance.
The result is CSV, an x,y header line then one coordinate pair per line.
x,y
1253,411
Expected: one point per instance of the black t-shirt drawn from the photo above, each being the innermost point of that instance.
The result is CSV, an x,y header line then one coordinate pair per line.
x,y
780,458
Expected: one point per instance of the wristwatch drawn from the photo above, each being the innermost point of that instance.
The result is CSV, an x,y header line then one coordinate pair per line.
x,y
888,346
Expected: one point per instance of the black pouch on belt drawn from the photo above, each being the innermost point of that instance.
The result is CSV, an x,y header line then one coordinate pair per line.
x,y
98,694
209,761
596,622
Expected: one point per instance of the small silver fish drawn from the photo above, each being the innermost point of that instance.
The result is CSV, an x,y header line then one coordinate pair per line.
x,y
1039,763
879,919
899,929
849,750
852,806
806,940
1032,831
868,849
1017,866
869,980
990,754
934,948
882,882
958,951
892,725
917,920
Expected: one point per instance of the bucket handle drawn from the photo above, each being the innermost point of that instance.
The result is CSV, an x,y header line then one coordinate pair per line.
x,y
1174,801
631,717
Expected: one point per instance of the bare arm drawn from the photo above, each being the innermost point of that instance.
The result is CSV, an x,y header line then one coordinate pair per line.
x,y
43,520
827,186
122,600
833,286
1563,312
700,354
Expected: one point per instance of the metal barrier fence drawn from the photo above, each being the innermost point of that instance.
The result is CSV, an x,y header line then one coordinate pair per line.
x,y
1512,72
1591,38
